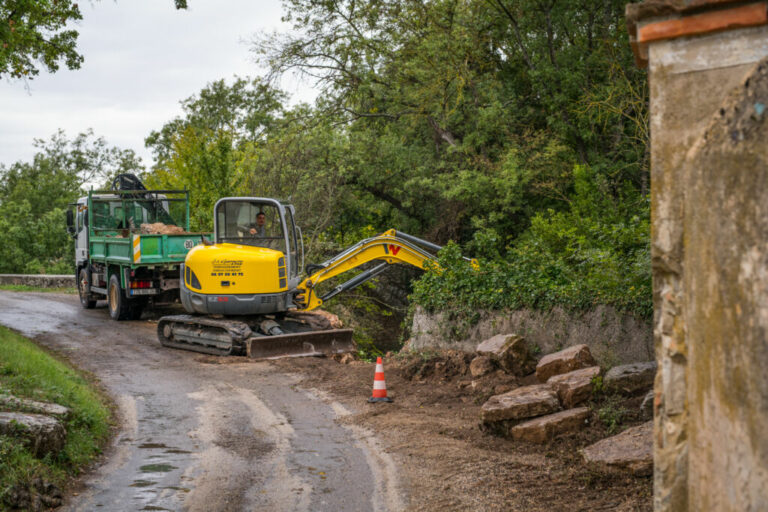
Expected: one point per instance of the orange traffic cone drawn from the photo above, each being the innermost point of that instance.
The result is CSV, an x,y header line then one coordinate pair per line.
x,y
379,385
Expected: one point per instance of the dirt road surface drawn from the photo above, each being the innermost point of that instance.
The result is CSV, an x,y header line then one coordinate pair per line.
x,y
202,433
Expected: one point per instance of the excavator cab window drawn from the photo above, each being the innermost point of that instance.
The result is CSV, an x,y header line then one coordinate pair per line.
x,y
250,223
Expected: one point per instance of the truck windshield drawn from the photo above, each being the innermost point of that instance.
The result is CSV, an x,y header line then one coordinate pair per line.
x,y
250,223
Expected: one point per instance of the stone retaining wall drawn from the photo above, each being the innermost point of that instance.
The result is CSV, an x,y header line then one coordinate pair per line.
x,y
613,337
40,280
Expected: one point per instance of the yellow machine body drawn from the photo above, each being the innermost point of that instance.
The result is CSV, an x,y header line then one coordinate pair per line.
x,y
236,269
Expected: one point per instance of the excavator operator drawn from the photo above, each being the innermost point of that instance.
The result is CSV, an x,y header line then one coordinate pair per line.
x,y
258,229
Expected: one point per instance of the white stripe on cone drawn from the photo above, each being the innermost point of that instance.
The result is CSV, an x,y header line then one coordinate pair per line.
x,y
379,384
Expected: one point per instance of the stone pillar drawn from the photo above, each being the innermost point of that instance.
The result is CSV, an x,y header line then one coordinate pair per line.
x,y
709,245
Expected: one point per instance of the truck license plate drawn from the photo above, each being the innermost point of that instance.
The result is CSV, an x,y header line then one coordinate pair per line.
x,y
144,291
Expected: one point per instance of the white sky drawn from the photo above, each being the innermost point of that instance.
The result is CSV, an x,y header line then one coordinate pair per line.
x,y
141,58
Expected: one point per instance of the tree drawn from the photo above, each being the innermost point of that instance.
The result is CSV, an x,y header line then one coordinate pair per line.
x,y
465,115
34,33
34,196
204,150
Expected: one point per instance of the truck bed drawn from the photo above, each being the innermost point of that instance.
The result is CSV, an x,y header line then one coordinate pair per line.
x,y
141,249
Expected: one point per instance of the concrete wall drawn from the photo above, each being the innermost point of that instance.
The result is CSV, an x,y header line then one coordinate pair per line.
x,y
709,213
40,280
613,337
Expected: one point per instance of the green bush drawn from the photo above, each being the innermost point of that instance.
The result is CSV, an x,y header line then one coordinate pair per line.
x,y
593,253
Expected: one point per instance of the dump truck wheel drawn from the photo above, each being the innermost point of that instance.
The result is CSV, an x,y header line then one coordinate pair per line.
x,y
119,309
84,289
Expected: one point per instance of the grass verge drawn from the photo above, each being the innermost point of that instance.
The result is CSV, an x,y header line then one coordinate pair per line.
x,y
25,288
27,371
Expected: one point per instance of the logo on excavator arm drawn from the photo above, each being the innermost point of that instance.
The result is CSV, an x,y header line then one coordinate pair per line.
x,y
391,248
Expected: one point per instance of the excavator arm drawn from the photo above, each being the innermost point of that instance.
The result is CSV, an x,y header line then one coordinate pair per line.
x,y
389,247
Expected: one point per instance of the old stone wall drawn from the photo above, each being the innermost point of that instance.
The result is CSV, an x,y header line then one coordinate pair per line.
x,y
726,282
613,337
39,280
710,274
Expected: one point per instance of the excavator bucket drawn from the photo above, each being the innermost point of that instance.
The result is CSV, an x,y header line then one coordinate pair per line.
x,y
301,344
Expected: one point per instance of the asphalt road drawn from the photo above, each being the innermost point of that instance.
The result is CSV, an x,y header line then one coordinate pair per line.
x,y
201,433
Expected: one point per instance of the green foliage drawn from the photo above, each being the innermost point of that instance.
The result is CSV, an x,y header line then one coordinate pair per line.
x,y
611,414
598,386
28,372
471,115
35,33
25,288
594,253
34,197
207,150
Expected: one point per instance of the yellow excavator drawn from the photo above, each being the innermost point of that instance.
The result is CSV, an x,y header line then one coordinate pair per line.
x,y
245,291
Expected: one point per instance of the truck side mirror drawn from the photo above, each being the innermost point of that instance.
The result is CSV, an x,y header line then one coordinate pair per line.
x,y
71,223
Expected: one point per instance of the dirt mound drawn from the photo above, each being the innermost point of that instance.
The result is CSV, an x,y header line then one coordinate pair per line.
x,y
158,228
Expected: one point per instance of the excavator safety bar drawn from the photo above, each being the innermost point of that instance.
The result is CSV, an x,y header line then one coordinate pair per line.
x,y
389,247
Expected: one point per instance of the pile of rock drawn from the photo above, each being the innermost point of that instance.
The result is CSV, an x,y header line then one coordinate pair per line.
x,y
632,450
534,413
566,379
40,427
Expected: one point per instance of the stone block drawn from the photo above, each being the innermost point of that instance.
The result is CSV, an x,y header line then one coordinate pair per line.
x,y
630,378
631,451
23,404
42,434
574,387
511,351
564,361
521,403
481,365
544,428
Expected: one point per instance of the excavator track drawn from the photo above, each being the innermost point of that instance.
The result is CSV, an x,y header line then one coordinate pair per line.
x,y
214,336
258,337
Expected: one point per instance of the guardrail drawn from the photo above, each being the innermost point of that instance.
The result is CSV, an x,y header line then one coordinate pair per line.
x,y
39,280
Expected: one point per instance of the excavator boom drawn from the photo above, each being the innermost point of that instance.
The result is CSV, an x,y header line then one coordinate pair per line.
x,y
389,247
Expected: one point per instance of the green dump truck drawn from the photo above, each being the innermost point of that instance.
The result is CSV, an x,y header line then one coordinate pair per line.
x,y
129,244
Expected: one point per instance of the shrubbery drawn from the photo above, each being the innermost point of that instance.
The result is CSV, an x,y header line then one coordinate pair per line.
x,y
594,253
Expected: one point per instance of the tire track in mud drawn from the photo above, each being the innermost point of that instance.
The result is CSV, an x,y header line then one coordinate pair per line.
x,y
243,435
233,435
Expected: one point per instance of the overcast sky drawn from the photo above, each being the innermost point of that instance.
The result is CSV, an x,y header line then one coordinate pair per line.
x,y
141,58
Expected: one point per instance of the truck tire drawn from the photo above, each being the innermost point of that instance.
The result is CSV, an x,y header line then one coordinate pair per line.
x,y
84,289
119,308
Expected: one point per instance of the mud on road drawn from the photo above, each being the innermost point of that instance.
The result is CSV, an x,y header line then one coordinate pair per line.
x,y
202,433
212,433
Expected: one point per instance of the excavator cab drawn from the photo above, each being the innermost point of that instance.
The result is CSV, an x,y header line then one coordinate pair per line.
x,y
253,265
